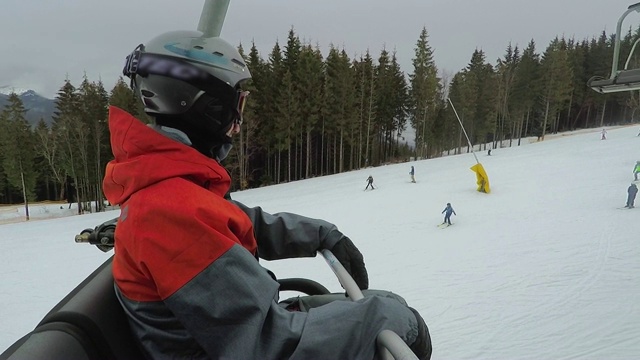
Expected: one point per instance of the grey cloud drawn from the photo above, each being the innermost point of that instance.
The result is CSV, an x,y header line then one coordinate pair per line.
x,y
49,39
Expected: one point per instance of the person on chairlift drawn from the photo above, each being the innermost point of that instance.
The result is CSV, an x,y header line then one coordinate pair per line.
x,y
186,257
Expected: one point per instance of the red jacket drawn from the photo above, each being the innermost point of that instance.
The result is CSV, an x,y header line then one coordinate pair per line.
x,y
185,263
152,177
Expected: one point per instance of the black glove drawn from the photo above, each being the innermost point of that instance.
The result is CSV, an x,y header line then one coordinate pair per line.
x,y
352,260
422,346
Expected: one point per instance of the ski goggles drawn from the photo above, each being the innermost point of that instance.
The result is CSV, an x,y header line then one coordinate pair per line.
x,y
241,102
142,64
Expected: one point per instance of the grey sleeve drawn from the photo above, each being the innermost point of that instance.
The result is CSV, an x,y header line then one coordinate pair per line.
x,y
286,235
239,317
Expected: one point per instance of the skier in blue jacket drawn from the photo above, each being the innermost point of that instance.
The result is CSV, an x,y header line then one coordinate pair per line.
x,y
447,214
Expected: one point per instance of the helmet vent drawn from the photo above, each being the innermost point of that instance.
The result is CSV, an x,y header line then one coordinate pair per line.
x,y
217,53
149,104
198,47
238,62
147,93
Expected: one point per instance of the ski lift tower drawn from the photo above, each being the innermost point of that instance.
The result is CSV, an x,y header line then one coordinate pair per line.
x,y
212,17
620,80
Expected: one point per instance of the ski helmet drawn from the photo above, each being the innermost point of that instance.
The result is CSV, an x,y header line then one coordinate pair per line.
x,y
182,74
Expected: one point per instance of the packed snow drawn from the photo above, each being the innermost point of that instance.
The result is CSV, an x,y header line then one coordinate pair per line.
x,y
545,266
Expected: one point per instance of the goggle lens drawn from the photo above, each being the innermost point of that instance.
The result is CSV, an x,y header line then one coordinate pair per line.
x,y
242,101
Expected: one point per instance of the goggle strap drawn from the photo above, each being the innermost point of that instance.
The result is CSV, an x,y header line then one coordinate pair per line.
x,y
241,102
131,64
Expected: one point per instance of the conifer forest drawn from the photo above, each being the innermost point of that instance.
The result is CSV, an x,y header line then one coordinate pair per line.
x,y
312,113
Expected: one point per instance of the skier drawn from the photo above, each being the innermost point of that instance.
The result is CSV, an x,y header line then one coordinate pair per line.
x,y
636,170
412,173
447,214
186,270
370,183
631,195
489,152
604,134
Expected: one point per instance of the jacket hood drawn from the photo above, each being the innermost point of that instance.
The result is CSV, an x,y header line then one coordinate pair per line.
x,y
143,157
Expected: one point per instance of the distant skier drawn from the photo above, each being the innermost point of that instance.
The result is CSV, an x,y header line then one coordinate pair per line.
x,y
604,134
412,173
636,170
370,183
447,214
489,152
631,197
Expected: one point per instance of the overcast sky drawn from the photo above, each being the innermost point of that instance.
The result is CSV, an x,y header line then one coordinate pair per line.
x,y
46,41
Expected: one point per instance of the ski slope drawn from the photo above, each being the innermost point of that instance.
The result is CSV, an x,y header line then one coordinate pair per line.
x,y
545,266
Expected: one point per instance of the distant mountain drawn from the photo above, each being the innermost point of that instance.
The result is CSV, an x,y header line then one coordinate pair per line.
x,y
38,107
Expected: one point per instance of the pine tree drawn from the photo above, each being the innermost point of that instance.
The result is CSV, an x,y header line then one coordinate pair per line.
x,y
527,88
339,106
556,81
45,152
506,76
401,104
459,92
246,145
311,98
275,71
18,148
598,63
287,107
478,106
423,94
93,100
576,53
5,193
70,135
123,97
385,107
291,62
368,106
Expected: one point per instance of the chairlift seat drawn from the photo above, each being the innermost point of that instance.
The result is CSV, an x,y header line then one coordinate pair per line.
x,y
90,324
620,80
625,80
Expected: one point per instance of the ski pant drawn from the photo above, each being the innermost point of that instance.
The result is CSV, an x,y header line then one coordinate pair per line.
x,y
369,184
447,218
630,200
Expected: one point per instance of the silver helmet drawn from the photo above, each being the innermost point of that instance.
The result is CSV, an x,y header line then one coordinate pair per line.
x,y
175,70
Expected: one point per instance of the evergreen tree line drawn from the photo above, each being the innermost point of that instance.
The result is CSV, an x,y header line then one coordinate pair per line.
x,y
310,115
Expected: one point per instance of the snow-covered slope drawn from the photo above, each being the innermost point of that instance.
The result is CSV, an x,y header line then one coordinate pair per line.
x,y
544,267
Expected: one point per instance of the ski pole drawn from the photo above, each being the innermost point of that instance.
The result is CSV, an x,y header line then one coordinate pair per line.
x,y
390,344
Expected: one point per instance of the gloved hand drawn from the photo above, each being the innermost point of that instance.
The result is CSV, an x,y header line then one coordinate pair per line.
x,y
352,260
422,345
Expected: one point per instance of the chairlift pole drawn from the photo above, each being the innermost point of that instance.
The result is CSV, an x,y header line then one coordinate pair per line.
x,y
390,344
463,130
212,17
616,46
620,79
